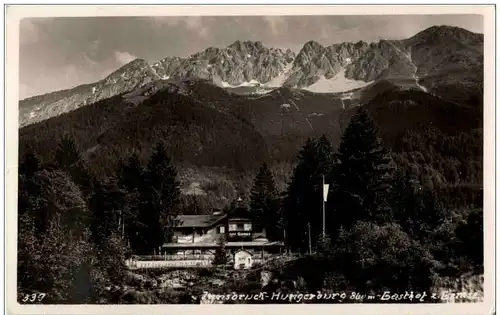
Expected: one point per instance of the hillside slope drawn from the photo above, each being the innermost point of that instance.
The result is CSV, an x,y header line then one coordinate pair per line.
x,y
114,128
205,125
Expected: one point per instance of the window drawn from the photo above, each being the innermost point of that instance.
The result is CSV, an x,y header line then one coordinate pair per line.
x,y
240,226
233,227
247,227
222,229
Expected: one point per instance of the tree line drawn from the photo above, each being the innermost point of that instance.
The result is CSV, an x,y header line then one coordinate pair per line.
x,y
76,228
383,223
388,226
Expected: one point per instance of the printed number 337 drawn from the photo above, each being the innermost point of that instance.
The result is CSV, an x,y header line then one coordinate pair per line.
x,y
35,297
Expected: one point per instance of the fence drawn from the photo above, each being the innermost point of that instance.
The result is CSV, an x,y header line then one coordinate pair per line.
x,y
174,257
191,257
189,261
137,264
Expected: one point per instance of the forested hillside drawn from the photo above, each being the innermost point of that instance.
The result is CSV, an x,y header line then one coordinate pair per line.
x,y
424,207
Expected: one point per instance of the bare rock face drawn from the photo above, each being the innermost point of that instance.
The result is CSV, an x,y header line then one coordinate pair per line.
x,y
242,61
429,57
131,76
314,61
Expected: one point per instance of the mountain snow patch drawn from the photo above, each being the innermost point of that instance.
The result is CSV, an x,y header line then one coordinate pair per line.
x,y
225,84
251,83
281,78
339,83
246,83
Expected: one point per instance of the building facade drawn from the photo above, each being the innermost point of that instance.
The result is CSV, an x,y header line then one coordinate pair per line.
x,y
200,234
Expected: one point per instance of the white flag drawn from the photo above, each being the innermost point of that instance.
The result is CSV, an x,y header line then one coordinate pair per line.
x,y
325,191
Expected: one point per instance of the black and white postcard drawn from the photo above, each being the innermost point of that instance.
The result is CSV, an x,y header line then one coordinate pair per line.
x,y
174,159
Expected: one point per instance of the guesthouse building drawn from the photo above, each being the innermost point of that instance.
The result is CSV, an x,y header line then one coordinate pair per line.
x,y
200,234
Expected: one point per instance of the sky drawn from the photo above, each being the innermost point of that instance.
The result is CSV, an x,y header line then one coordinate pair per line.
x,y
63,52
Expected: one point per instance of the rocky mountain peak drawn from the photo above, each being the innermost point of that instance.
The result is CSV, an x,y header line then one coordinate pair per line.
x,y
340,66
312,46
134,65
445,33
246,45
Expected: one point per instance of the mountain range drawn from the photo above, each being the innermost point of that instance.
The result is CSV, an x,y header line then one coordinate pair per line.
x,y
223,123
442,60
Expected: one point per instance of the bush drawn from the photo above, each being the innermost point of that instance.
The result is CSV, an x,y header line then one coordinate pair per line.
x,y
220,253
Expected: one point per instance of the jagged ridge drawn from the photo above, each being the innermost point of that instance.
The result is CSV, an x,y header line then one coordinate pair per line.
x,y
423,61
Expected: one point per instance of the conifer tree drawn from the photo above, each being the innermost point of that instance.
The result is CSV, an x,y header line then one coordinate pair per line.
x,y
28,190
264,202
303,200
362,175
109,207
30,163
67,153
417,209
131,180
159,201
131,173
68,158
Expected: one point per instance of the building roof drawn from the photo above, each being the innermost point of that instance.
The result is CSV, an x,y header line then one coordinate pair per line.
x,y
228,244
198,221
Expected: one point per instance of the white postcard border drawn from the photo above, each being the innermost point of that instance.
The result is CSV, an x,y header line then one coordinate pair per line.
x,y
15,13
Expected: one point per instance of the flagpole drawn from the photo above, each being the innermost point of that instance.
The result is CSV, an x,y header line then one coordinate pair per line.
x,y
324,226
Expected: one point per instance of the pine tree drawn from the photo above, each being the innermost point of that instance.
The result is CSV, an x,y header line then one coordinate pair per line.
x,y
109,208
362,175
28,190
264,202
303,200
131,173
407,203
159,201
67,153
68,158
131,179
325,155
30,163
